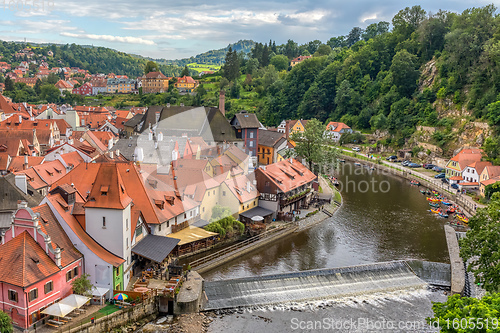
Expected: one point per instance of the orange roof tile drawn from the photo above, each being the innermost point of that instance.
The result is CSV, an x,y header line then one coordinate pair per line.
x,y
490,181
337,125
17,162
50,226
108,190
287,176
479,166
72,159
239,186
23,262
467,156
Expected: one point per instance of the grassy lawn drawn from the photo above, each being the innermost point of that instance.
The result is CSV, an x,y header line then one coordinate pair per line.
x,y
107,310
338,197
204,67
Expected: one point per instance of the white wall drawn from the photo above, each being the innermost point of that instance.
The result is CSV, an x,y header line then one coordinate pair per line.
x,y
64,149
116,235
90,259
470,175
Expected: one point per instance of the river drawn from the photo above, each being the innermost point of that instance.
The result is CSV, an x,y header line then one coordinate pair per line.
x,y
382,218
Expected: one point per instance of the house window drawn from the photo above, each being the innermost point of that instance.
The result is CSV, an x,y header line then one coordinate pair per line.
x,y
126,224
104,222
159,227
49,286
184,215
251,135
213,192
138,230
13,296
203,209
33,294
118,271
208,193
126,241
251,143
223,193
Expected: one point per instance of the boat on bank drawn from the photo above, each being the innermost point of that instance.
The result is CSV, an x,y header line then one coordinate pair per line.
x,y
415,183
436,205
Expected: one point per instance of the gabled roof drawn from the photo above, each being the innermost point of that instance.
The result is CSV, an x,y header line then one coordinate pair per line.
x,y
245,120
490,181
23,262
132,122
301,58
11,194
72,159
239,187
287,174
467,156
5,106
269,138
17,162
493,170
479,166
337,126
155,75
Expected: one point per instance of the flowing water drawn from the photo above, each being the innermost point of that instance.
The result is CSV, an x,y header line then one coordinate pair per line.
x,y
382,219
371,226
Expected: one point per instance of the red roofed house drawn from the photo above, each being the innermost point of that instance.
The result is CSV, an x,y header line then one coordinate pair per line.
x,y
457,164
239,194
38,262
284,186
84,90
154,82
63,86
186,83
335,130
472,172
299,60
489,176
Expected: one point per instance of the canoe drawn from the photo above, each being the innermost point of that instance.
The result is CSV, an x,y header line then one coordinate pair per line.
x,y
435,211
433,199
434,204
446,203
450,211
414,183
443,215
422,191
357,164
342,161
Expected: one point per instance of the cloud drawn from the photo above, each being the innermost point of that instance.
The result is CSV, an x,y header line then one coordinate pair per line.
x,y
110,38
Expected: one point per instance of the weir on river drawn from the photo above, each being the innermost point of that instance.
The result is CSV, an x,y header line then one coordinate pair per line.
x,y
312,285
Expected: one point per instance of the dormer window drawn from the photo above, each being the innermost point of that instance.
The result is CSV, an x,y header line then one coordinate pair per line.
x,y
104,190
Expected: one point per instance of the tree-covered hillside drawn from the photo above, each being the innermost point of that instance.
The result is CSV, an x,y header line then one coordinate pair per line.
x,y
371,79
93,59
212,56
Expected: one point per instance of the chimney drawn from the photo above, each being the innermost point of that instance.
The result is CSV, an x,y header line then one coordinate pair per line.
x,y
222,101
47,243
111,155
160,136
20,119
25,165
291,160
118,153
150,136
20,181
58,256
249,188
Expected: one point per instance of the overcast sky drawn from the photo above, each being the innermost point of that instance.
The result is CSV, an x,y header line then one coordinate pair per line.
x,y
173,30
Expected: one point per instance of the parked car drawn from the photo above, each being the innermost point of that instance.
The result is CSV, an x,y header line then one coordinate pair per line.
x,y
413,165
440,175
356,149
438,169
428,166
405,163
455,186
445,180
391,158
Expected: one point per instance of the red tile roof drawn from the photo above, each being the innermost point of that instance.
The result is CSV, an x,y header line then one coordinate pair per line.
x,y
58,202
17,162
287,175
239,186
338,126
155,75
493,170
23,262
72,159
490,181
467,156
479,166
50,226
108,190
5,106
5,160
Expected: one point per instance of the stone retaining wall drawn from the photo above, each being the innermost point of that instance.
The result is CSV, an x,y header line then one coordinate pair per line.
x,y
457,264
119,318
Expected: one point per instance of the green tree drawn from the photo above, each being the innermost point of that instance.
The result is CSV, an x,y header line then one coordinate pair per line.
x,y
459,309
280,62
185,71
491,148
220,212
481,246
310,145
407,21
404,72
9,84
231,67
5,323
151,66
52,78
50,93
323,50
82,285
